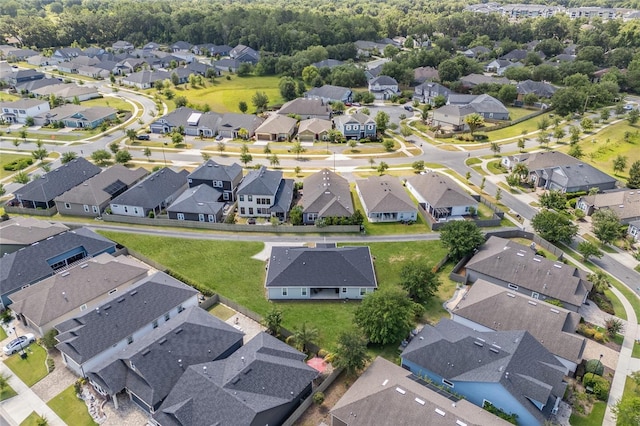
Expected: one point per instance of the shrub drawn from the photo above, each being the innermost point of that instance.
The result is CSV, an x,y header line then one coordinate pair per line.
x,y
291,340
329,358
599,385
594,366
318,398
48,341
322,353
589,332
18,164
599,337
51,365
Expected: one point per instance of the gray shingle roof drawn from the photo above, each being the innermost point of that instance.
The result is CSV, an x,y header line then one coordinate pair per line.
x,y
180,117
29,264
154,189
260,182
263,375
579,174
284,197
625,203
67,291
307,267
314,125
86,336
514,359
234,121
542,89
440,190
210,171
374,397
514,263
305,108
202,199
543,160
27,230
57,181
277,124
497,308
475,79
488,104
327,194
161,357
384,194
328,91
383,80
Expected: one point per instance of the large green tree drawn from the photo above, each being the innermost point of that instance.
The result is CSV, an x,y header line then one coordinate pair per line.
x,y
351,352
606,225
554,227
634,175
385,316
419,281
461,238
554,199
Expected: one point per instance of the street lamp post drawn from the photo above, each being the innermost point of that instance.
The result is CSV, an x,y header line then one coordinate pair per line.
x,y
15,332
599,363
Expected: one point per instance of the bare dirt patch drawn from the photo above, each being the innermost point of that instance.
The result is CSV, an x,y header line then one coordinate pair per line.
x,y
316,414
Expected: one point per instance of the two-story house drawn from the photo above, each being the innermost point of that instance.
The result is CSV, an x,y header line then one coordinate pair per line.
x,y
18,111
264,193
384,87
428,91
356,126
224,179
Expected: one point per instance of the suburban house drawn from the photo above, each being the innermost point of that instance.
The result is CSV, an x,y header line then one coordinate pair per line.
x,y
211,49
539,88
90,118
244,54
460,106
428,91
93,196
224,179
277,128
192,122
198,203
490,108
226,65
625,203
510,370
477,52
329,93
440,196
539,160
328,63
40,193
489,307
634,230
373,72
472,80
384,199
384,87
518,268
314,129
307,108
322,272
452,116
231,123
572,178
499,66
422,74
23,76
43,259
264,193
152,195
90,338
22,231
18,111
356,126
74,290
149,367
67,53
326,194
387,391
261,383
69,92
122,45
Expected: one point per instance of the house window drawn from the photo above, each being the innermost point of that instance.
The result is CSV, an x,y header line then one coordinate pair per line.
x,y
241,210
303,291
180,216
129,340
250,198
83,307
126,210
212,218
154,324
86,208
535,295
67,205
363,291
190,180
167,316
512,286
180,308
95,209
135,210
284,291
201,217
225,196
113,291
447,382
217,184
250,211
344,289
242,198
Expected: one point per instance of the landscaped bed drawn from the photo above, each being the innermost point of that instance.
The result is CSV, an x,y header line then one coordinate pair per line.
x,y
71,409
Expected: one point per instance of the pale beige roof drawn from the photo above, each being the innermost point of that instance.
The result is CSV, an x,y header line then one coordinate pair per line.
x,y
92,191
384,194
625,203
277,124
26,230
314,125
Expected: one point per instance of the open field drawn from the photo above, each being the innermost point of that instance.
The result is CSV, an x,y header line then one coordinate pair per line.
x,y
109,101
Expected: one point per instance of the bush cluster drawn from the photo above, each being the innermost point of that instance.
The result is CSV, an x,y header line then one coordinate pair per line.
x,y
599,385
18,164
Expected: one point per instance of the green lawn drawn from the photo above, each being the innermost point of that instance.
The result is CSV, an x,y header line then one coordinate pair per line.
x,y
495,167
3,334
593,419
109,101
516,113
8,158
530,125
8,97
636,350
71,409
32,369
7,393
224,95
216,264
31,420
221,311
604,247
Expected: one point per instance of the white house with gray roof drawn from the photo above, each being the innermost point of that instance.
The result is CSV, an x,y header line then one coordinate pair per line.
x,y
191,121
18,111
89,339
490,307
384,87
440,196
510,370
329,93
151,195
303,273
384,199
264,193
326,194
261,383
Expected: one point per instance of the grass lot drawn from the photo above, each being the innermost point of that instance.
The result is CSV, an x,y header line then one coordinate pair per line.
x,y
221,311
473,161
636,350
32,369
31,420
216,264
7,393
517,129
3,334
224,95
72,411
8,158
109,101
8,97
495,167
515,113
593,419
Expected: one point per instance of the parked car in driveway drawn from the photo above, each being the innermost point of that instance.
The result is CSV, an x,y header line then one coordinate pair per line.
x,y
19,343
143,137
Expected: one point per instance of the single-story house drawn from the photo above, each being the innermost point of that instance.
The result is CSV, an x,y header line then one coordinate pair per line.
x,y
572,178
307,108
67,91
539,160
22,231
634,230
314,129
194,122
199,203
277,127
440,196
326,194
384,199
473,80
244,54
500,66
422,74
329,93
625,203
539,88
231,123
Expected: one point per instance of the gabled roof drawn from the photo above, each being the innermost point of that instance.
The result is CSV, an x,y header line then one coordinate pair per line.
x,y
277,124
260,182
152,191
488,104
68,290
190,118
305,108
182,45
514,263
540,88
23,230
425,73
545,159
328,91
23,103
202,199
314,125
235,122
57,181
513,359
499,309
87,335
383,194
327,194
262,375
460,99
307,267
329,63
625,203
383,80
151,366
70,90
387,391
579,174
475,79
210,171
284,197
456,111
440,190
30,264
100,188
356,117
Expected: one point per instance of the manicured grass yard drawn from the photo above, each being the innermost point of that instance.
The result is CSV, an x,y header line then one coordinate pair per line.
x,y
516,113
516,130
228,269
7,393
593,419
3,334
221,311
636,350
71,409
32,369
31,420
8,158
224,95
109,101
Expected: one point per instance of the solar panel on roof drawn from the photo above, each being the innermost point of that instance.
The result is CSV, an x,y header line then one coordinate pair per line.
x,y
115,187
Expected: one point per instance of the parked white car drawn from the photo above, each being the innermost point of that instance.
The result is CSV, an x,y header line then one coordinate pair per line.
x,y
19,343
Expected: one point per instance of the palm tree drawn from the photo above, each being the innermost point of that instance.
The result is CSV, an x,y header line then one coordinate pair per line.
x,y
474,121
274,160
304,335
131,134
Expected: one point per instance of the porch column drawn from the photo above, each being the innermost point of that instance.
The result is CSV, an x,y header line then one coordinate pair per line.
x,y
115,400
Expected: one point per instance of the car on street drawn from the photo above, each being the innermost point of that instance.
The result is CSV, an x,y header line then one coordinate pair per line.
x,y
408,108
143,137
18,344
